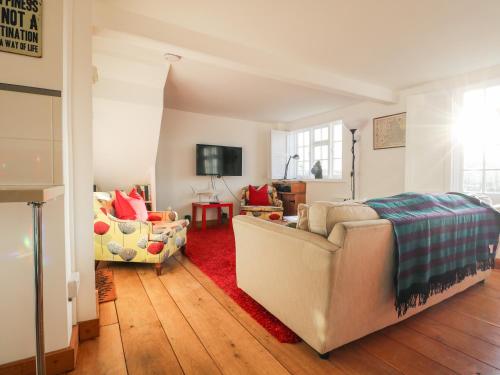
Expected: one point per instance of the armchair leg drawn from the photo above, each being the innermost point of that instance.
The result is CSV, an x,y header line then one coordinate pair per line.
x,y
183,250
158,268
324,355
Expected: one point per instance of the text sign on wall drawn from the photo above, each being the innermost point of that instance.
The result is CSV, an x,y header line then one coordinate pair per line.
x,y
21,27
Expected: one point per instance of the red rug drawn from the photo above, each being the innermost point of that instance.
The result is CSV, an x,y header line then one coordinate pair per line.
x,y
213,251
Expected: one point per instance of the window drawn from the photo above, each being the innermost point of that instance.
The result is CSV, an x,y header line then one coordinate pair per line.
x,y
478,139
321,143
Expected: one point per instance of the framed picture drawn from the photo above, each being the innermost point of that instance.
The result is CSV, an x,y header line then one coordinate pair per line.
x,y
389,131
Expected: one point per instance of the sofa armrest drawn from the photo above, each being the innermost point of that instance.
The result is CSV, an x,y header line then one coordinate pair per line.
x,y
288,271
338,234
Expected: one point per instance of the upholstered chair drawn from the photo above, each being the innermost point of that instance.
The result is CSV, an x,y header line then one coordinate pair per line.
x,y
274,211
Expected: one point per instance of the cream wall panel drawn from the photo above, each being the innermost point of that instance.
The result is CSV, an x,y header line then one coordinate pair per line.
x,y
57,155
56,119
25,115
25,161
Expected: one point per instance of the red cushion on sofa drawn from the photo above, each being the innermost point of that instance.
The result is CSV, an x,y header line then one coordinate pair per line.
x,y
134,194
138,205
123,208
153,217
258,197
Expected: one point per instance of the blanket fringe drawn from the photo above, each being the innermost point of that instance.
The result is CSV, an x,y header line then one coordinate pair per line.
x,y
418,294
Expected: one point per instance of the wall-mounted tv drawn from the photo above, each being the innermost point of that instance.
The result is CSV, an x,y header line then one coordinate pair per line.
x,y
212,160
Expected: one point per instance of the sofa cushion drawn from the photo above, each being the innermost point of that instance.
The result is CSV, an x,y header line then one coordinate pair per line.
x,y
258,196
322,216
123,208
302,220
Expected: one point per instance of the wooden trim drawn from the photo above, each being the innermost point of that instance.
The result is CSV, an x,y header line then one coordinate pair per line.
x,y
57,362
30,90
497,263
89,329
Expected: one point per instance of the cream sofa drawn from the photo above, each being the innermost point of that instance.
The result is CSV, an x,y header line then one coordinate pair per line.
x,y
332,281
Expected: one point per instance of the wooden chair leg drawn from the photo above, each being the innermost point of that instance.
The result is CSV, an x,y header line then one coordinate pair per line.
x,y
158,268
324,355
183,250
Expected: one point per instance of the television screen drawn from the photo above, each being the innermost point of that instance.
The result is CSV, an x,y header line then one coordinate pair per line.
x,y
218,160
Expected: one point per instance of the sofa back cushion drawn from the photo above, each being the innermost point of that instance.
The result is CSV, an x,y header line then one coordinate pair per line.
x,y
321,217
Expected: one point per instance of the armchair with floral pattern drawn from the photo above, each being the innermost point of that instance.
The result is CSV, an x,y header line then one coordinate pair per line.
x,y
133,240
272,212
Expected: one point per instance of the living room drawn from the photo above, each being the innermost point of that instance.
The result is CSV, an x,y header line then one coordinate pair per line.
x,y
250,187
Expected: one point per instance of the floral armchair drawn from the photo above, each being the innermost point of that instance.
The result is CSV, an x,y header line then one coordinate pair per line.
x,y
136,241
272,212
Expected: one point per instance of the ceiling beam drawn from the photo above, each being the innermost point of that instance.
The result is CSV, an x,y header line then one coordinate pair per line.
x,y
113,22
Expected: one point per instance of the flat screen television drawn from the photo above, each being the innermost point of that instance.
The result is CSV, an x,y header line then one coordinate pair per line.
x,y
212,160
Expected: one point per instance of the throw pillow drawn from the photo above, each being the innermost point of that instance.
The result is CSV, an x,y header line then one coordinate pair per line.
x,y
153,217
138,205
123,208
258,196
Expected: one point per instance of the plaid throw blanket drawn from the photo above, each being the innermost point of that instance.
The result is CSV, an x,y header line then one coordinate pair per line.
x,y
440,240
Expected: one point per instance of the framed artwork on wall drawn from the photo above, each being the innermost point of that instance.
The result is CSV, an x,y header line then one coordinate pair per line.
x,y
389,131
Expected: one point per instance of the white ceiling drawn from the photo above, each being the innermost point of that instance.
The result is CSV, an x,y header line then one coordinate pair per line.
x,y
395,43
281,60
199,87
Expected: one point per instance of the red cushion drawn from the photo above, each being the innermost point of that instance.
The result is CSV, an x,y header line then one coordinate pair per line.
x,y
138,205
134,194
153,217
123,208
258,197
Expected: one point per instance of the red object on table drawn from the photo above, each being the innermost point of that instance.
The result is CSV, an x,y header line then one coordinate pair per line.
x,y
204,207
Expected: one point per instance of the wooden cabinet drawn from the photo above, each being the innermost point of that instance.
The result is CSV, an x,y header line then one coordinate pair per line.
x,y
291,193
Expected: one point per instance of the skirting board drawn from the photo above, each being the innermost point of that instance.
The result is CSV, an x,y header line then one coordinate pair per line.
x,y
57,362
89,329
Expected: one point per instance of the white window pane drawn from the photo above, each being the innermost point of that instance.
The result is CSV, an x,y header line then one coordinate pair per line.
x,y
492,157
324,152
337,150
317,135
317,152
337,132
473,157
473,181
306,138
300,139
337,166
324,134
492,181
324,165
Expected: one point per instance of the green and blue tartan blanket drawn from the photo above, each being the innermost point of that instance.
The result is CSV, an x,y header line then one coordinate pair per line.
x,y
440,240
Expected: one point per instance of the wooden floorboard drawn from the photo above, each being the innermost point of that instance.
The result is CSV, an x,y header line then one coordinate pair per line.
x,y
107,313
231,346
191,353
297,358
182,323
145,344
102,355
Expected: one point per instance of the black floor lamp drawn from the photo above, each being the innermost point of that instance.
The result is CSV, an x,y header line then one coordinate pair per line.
x,y
353,170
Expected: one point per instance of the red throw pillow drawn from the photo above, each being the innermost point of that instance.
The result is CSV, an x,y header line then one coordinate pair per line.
x,y
258,197
138,205
134,194
153,217
123,209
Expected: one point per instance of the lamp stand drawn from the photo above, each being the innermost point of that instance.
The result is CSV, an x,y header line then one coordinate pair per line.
x,y
353,170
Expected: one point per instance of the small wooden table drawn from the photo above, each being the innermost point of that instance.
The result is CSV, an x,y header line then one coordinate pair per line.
x,y
204,207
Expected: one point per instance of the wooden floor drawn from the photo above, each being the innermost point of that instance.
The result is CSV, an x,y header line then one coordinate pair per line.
x,y
182,322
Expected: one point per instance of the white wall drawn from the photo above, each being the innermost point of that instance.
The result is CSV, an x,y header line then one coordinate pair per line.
x,y
378,172
128,107
176,159
31,153
44,72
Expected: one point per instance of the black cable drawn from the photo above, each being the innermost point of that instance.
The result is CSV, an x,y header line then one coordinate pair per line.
x,y
227,187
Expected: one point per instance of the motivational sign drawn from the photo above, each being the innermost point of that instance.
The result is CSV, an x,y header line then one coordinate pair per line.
x,y
21,27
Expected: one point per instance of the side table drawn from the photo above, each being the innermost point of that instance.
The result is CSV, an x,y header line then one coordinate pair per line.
x,y
204,207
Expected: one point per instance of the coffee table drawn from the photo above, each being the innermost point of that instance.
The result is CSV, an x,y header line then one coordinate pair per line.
x,y
204,206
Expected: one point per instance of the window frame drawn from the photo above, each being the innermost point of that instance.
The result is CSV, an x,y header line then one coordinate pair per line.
x,y
458,153
331,142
